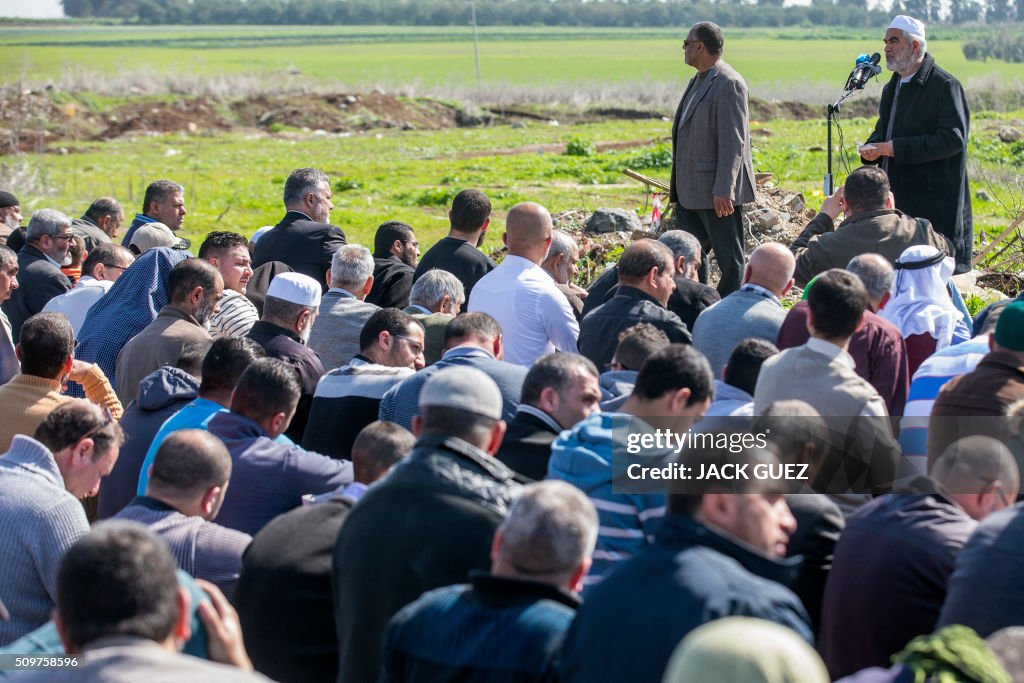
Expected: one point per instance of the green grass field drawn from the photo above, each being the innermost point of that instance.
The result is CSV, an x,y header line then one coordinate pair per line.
x,y
431,58
234,180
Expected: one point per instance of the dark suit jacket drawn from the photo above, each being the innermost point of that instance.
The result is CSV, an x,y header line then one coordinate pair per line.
x,y
526,447
39,281
306,246
928,173
711,147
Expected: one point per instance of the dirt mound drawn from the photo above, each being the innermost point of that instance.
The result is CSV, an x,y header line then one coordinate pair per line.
x,y
343,112
766,110
191,115
31,120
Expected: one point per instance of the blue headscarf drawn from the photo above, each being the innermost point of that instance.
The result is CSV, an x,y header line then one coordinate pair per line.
x,y
131,304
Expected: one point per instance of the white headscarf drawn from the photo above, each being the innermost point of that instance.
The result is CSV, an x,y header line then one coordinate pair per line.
x,y
920,302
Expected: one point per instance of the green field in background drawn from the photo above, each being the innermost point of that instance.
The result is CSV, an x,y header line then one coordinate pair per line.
x,y
234,181
429,58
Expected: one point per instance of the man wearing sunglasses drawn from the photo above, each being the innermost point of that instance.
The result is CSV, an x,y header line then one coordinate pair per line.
x,y
41,480
48,240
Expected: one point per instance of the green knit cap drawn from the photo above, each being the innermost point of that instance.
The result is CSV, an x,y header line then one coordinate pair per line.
x,y
956,654
1010,328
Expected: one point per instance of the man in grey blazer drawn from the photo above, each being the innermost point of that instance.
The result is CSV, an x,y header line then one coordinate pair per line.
x,y
711,171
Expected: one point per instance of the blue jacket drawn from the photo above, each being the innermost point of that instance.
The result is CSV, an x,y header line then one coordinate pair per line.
x,y
494,629
631,622
582,456
269,478
161,394
401,403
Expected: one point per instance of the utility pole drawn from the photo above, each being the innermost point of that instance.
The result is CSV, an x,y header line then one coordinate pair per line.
x,y
476,46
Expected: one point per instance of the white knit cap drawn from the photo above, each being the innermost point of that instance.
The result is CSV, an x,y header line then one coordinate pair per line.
x,y
909,24
296,288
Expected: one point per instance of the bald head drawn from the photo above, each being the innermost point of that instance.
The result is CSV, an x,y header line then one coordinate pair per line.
x,y
528,231
979,472
771,266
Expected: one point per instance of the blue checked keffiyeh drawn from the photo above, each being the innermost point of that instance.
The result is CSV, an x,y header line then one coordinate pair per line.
x,y
130,305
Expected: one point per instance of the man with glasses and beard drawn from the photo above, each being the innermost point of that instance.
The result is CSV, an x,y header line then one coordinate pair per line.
x,y
920,138
48,241
195,288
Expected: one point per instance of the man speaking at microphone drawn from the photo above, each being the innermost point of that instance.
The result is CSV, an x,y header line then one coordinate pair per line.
x,y
920,139
711,171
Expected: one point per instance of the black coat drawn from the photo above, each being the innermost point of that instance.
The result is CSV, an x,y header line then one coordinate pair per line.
x,y
599,332
392,282
427,525
39,281
526,447
306,246
928,173
819,522
284,594
687,301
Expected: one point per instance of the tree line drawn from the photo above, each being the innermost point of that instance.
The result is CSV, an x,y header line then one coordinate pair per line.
x,y
611,13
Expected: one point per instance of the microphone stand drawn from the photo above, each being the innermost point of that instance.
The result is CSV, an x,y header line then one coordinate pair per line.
x,y
833,110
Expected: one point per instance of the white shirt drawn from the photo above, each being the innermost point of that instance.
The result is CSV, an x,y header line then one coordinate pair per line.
x,y
76,302
535,317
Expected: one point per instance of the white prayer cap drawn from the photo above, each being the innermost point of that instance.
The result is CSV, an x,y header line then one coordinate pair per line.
x,y
909,24
295,288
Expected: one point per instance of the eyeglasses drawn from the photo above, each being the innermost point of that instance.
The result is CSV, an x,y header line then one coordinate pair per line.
x,y
413,344
67,238
107,419
111,265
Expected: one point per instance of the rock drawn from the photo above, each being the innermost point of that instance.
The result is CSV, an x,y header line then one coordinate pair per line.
x,y
517,124
351,99
983,195
1008,134
612,220
192,127
767,219
795,203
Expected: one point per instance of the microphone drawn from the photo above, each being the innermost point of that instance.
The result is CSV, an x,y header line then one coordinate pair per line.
x,y
865,69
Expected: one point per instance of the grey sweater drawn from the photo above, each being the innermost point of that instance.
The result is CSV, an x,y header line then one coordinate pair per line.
x,y
39,521
747,312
